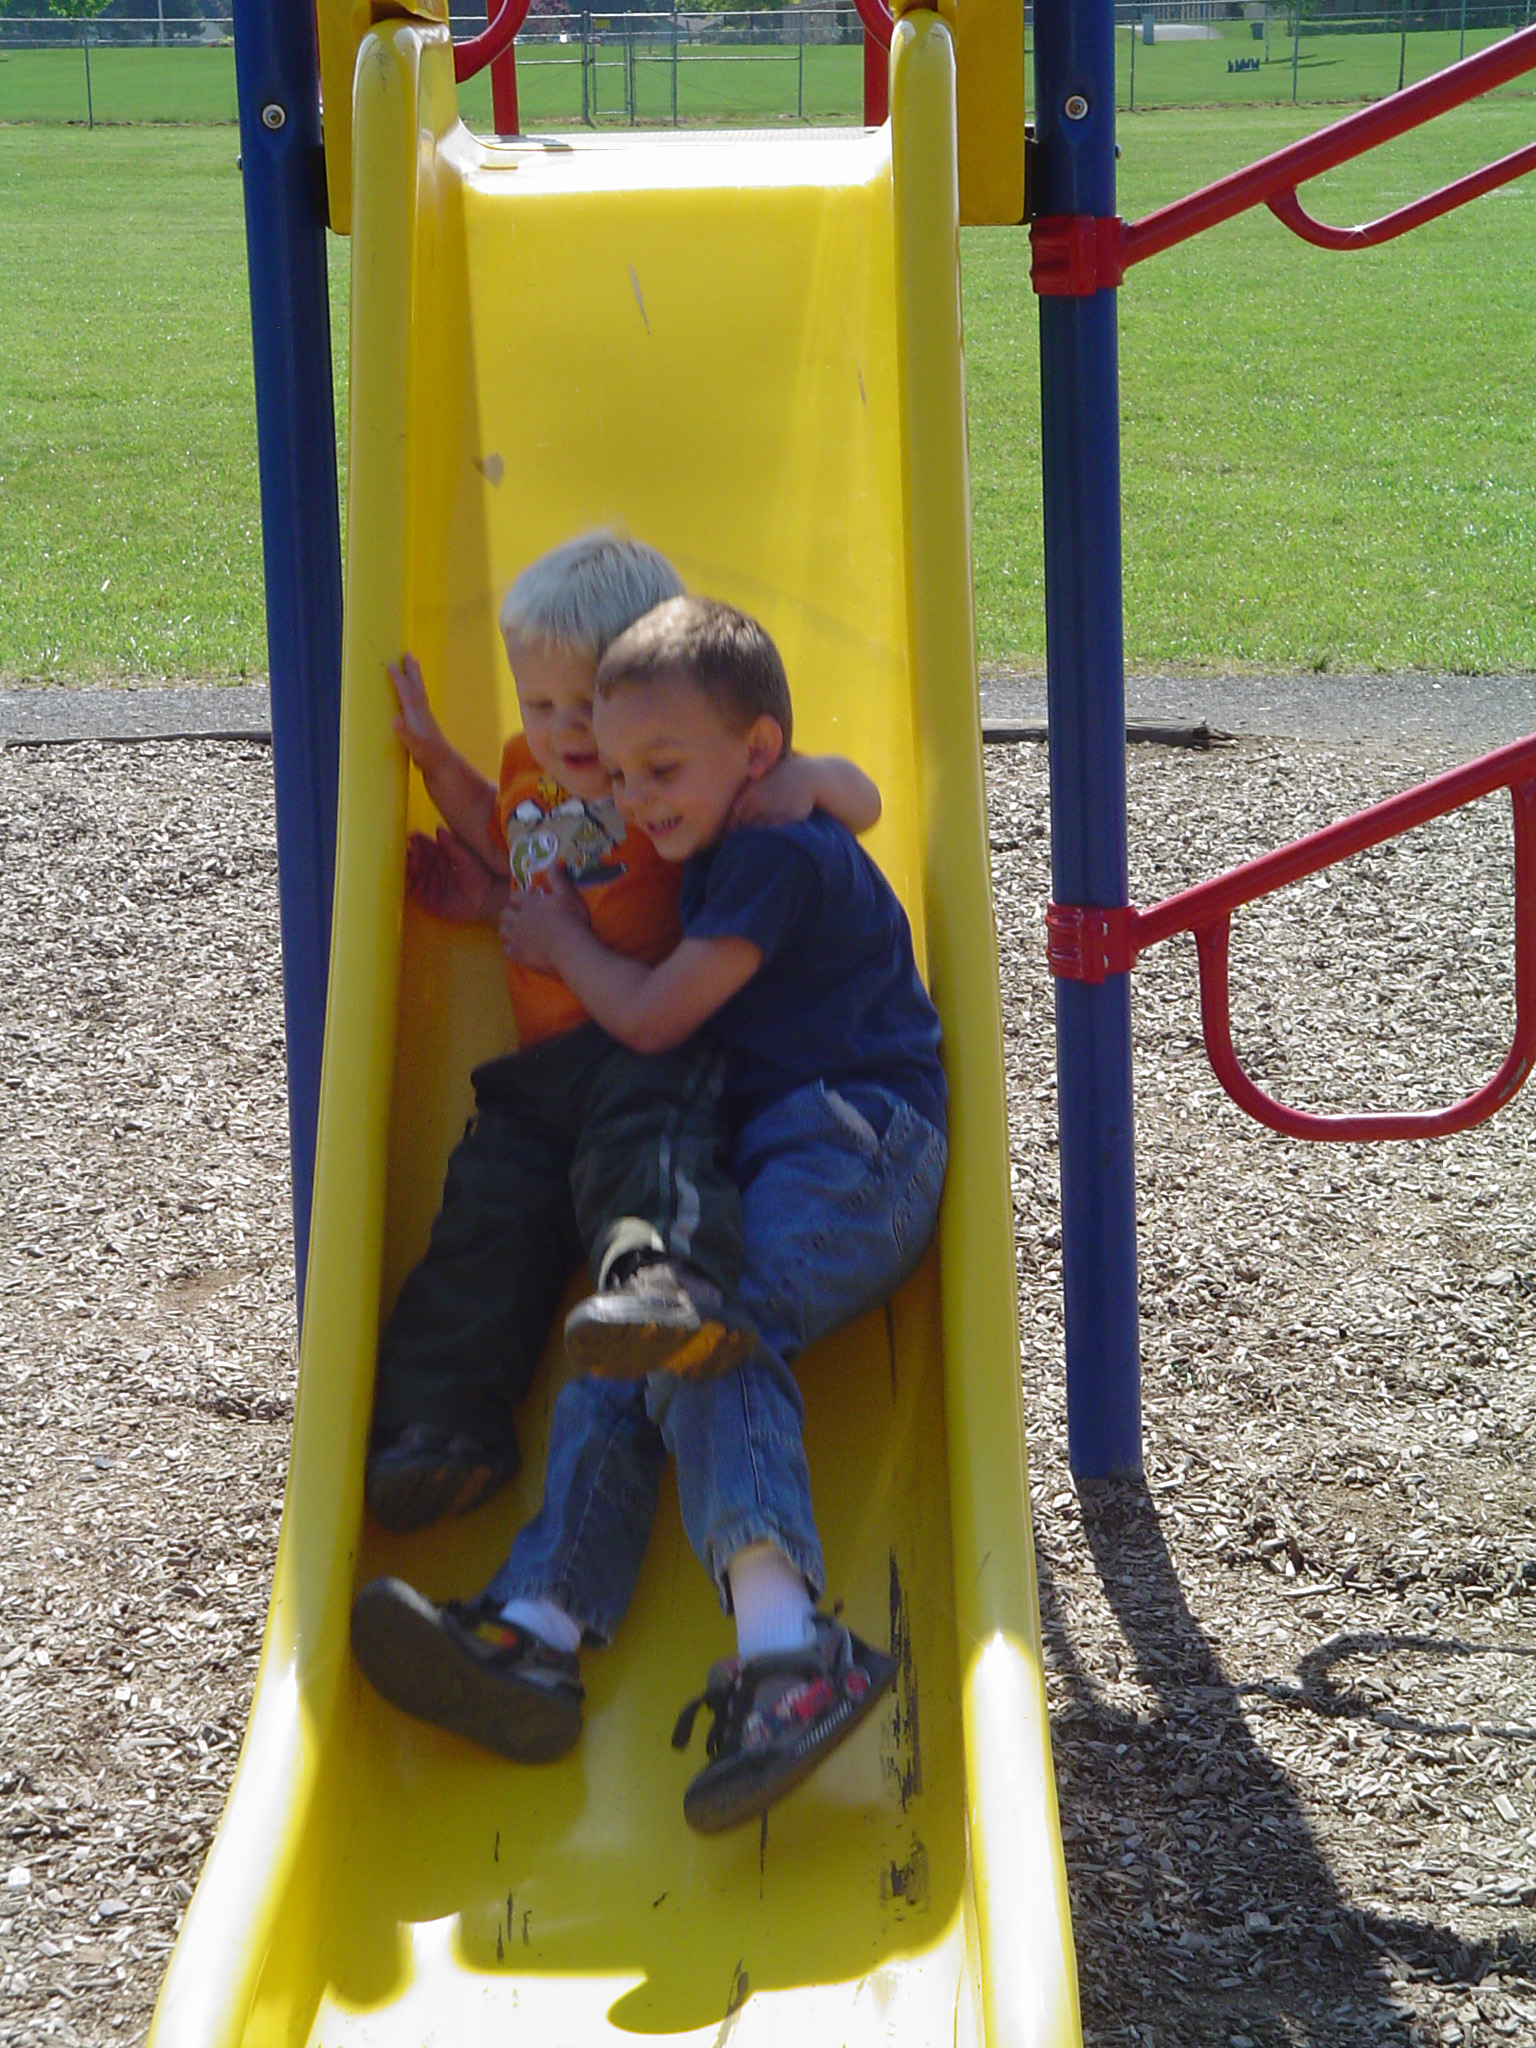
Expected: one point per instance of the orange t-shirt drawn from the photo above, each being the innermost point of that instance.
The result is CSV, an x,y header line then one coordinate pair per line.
x,y
630,892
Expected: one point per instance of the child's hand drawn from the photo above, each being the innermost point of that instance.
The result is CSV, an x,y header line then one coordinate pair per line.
x,y
534,921
784,796
418,731
447,879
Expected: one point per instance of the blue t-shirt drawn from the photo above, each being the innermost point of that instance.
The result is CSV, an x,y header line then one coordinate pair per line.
x,y
838,997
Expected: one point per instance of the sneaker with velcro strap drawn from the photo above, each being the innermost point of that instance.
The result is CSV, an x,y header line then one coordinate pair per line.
x,y
775,1718
464,1667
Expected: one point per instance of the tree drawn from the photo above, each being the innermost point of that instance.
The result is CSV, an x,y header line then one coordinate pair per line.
x,y
60,10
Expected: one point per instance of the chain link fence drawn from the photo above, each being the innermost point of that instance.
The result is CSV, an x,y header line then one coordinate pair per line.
x,y
747,67
753,66
1183,53
763,66
114,69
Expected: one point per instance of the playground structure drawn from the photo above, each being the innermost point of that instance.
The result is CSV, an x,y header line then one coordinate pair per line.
x,y
771,326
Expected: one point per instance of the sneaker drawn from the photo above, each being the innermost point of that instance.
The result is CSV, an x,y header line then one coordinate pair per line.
x,y
465,1669
427,1473
655,1315
775,1719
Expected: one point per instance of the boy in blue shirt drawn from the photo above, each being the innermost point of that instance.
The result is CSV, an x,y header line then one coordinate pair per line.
x,y
797,954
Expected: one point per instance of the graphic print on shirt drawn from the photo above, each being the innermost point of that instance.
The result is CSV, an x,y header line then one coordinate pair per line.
x,y
551,826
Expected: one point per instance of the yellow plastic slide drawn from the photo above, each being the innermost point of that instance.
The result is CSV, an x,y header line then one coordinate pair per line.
x,y
745,349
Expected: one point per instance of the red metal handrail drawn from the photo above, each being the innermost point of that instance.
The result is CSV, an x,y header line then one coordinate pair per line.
x,y
497,36
493,46
879,27
1077,254
1086,943
1276,175
1288,209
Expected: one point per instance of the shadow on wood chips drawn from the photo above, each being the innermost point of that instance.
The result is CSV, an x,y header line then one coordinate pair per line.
x,y
1272,1950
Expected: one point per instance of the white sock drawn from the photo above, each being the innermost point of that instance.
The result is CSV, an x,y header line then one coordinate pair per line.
x,y
773,1609
551,1624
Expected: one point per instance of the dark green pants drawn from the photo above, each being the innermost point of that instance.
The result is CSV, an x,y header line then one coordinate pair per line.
x,y
570,1141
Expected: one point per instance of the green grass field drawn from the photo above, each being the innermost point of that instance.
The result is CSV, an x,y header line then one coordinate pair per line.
x,y
713,85
758,84
1330,461
197,86
194,85
1348,65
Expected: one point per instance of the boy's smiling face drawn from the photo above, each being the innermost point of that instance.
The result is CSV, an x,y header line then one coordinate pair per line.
x,y
554,692
676,765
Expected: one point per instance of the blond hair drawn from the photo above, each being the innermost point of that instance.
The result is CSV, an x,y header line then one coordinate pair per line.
x,y
723,652
583,594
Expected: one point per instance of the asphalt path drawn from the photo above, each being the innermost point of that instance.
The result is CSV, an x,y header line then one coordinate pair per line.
x,y
1473,714
58,714
1469,713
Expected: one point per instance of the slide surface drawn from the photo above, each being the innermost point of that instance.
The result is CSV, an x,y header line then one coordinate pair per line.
x,y
747,351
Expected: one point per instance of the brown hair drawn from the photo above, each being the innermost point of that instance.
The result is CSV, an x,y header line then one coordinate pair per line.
x,y
721,651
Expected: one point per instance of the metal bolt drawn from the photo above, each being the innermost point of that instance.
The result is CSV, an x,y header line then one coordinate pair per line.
x,y
1076,108
273,116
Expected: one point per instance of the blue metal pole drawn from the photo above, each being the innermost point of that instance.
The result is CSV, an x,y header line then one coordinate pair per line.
x,y
1085,664
277,81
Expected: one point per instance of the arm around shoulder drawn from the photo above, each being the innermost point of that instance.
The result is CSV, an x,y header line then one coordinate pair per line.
x,y
803,783
844,792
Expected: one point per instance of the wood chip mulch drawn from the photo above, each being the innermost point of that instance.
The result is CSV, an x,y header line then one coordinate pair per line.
x,y
1292,1671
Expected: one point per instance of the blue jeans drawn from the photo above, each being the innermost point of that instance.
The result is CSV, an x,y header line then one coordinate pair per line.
x,y
840,1194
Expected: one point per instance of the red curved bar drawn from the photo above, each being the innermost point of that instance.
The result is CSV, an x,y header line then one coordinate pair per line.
x,y
879,27
1211,943
1288,209
1087,943
1278,174
879,22
485,48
